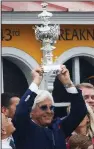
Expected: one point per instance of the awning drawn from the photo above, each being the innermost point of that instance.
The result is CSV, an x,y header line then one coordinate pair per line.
x,y
52,6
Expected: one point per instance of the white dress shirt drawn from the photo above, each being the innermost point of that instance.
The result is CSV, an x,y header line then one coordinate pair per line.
x,y
5,144
33,87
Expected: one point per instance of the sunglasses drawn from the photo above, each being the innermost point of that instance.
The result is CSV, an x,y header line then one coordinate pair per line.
x,y
45,107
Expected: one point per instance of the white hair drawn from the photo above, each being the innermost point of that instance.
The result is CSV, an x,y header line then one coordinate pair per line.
x,y
91,123
41,96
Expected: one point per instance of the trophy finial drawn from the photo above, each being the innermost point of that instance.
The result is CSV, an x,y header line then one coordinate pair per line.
x,y
44,5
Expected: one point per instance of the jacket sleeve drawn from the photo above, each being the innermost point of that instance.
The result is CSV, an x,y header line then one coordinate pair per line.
x,y
22,114
78,107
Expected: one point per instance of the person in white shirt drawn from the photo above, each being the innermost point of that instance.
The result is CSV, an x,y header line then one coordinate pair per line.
x,y
7,128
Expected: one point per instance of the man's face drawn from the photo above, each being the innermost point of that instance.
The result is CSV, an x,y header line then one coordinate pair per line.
x,y
43,113
88,94
7,126
10,110
12,107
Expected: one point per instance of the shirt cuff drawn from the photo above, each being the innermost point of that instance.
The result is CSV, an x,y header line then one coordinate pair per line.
x,y
72,90
33,87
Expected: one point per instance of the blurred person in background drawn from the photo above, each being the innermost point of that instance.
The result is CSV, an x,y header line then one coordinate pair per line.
x,y
7,128
9,101
85,128
88,93
79,141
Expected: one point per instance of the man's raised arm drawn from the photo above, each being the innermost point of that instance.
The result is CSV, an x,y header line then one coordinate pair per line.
x,y
65,90
26,102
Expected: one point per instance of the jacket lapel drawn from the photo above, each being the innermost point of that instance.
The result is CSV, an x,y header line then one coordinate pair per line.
x,y
48,133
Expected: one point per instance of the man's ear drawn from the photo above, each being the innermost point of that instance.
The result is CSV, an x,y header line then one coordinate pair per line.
x,y
4,110
31,114
3,131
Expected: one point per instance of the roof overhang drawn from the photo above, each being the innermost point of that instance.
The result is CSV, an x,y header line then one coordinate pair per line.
x,y
57,18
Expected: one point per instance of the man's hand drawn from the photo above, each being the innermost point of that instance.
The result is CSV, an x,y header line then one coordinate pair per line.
x,y
64,76
37,75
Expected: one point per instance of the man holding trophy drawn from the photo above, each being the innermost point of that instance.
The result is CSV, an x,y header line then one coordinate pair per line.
x,y
34,118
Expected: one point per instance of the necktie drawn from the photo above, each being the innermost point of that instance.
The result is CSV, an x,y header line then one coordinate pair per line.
x,y
12,144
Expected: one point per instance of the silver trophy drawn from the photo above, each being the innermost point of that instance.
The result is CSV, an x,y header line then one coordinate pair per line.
x,y
47,34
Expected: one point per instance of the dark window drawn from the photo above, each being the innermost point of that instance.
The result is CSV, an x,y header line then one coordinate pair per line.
x,y
69,66
86,69
14,79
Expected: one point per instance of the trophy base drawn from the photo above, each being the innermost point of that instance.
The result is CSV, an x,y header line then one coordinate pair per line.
x,y
51,68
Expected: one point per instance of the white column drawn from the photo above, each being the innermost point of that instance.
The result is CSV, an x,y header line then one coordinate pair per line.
x,y
2,80
43,84
76,70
